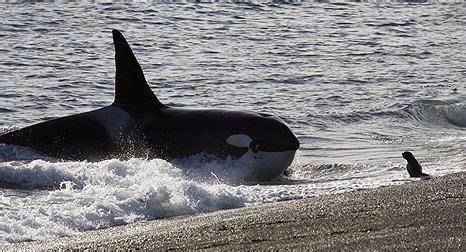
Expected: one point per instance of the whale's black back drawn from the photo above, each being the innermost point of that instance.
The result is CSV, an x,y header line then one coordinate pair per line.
x,y
71,137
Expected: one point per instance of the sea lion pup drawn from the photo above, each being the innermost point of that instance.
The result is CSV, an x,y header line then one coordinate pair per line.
x,y
413,167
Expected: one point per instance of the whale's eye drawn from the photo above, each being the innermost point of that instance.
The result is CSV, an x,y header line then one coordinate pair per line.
x,y
254,147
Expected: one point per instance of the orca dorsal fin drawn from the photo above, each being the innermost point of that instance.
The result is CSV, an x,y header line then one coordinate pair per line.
x,y
130,84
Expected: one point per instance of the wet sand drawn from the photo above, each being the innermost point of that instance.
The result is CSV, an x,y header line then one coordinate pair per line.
x,y
423,215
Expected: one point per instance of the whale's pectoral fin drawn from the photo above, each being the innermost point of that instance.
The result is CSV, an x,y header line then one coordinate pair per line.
x,y
130,84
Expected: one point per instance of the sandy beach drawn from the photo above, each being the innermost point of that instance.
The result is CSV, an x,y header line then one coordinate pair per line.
x,y
422,215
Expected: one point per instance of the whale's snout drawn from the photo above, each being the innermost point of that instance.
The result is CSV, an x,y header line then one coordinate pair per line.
x,y
276,137
265,134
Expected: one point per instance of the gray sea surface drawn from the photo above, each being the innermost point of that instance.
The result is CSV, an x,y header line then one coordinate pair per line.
x,y
359,83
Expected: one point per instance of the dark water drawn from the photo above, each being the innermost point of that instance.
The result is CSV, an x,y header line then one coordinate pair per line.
x,y
359,83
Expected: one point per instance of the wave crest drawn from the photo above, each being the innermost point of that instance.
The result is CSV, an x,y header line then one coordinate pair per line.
x,y
438,112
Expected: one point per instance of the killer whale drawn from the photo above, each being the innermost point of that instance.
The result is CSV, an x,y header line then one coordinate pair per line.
x,y
137,124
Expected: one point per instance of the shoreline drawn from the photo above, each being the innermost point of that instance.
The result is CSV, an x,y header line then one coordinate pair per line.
x,y
425,215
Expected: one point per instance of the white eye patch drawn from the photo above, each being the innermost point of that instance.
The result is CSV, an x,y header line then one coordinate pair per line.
x,y
239,140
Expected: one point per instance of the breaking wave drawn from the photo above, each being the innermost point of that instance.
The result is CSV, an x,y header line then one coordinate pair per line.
x,y
425,111
82,195
437,113
42,199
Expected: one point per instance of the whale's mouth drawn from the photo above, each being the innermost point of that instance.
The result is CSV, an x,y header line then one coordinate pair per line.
x,y
265,160
291,143
265,166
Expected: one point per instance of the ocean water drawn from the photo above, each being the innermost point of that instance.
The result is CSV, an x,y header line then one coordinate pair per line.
x,y
359,83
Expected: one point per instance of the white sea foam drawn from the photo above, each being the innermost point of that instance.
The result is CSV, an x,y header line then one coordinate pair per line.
x,y
99,195
84,195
